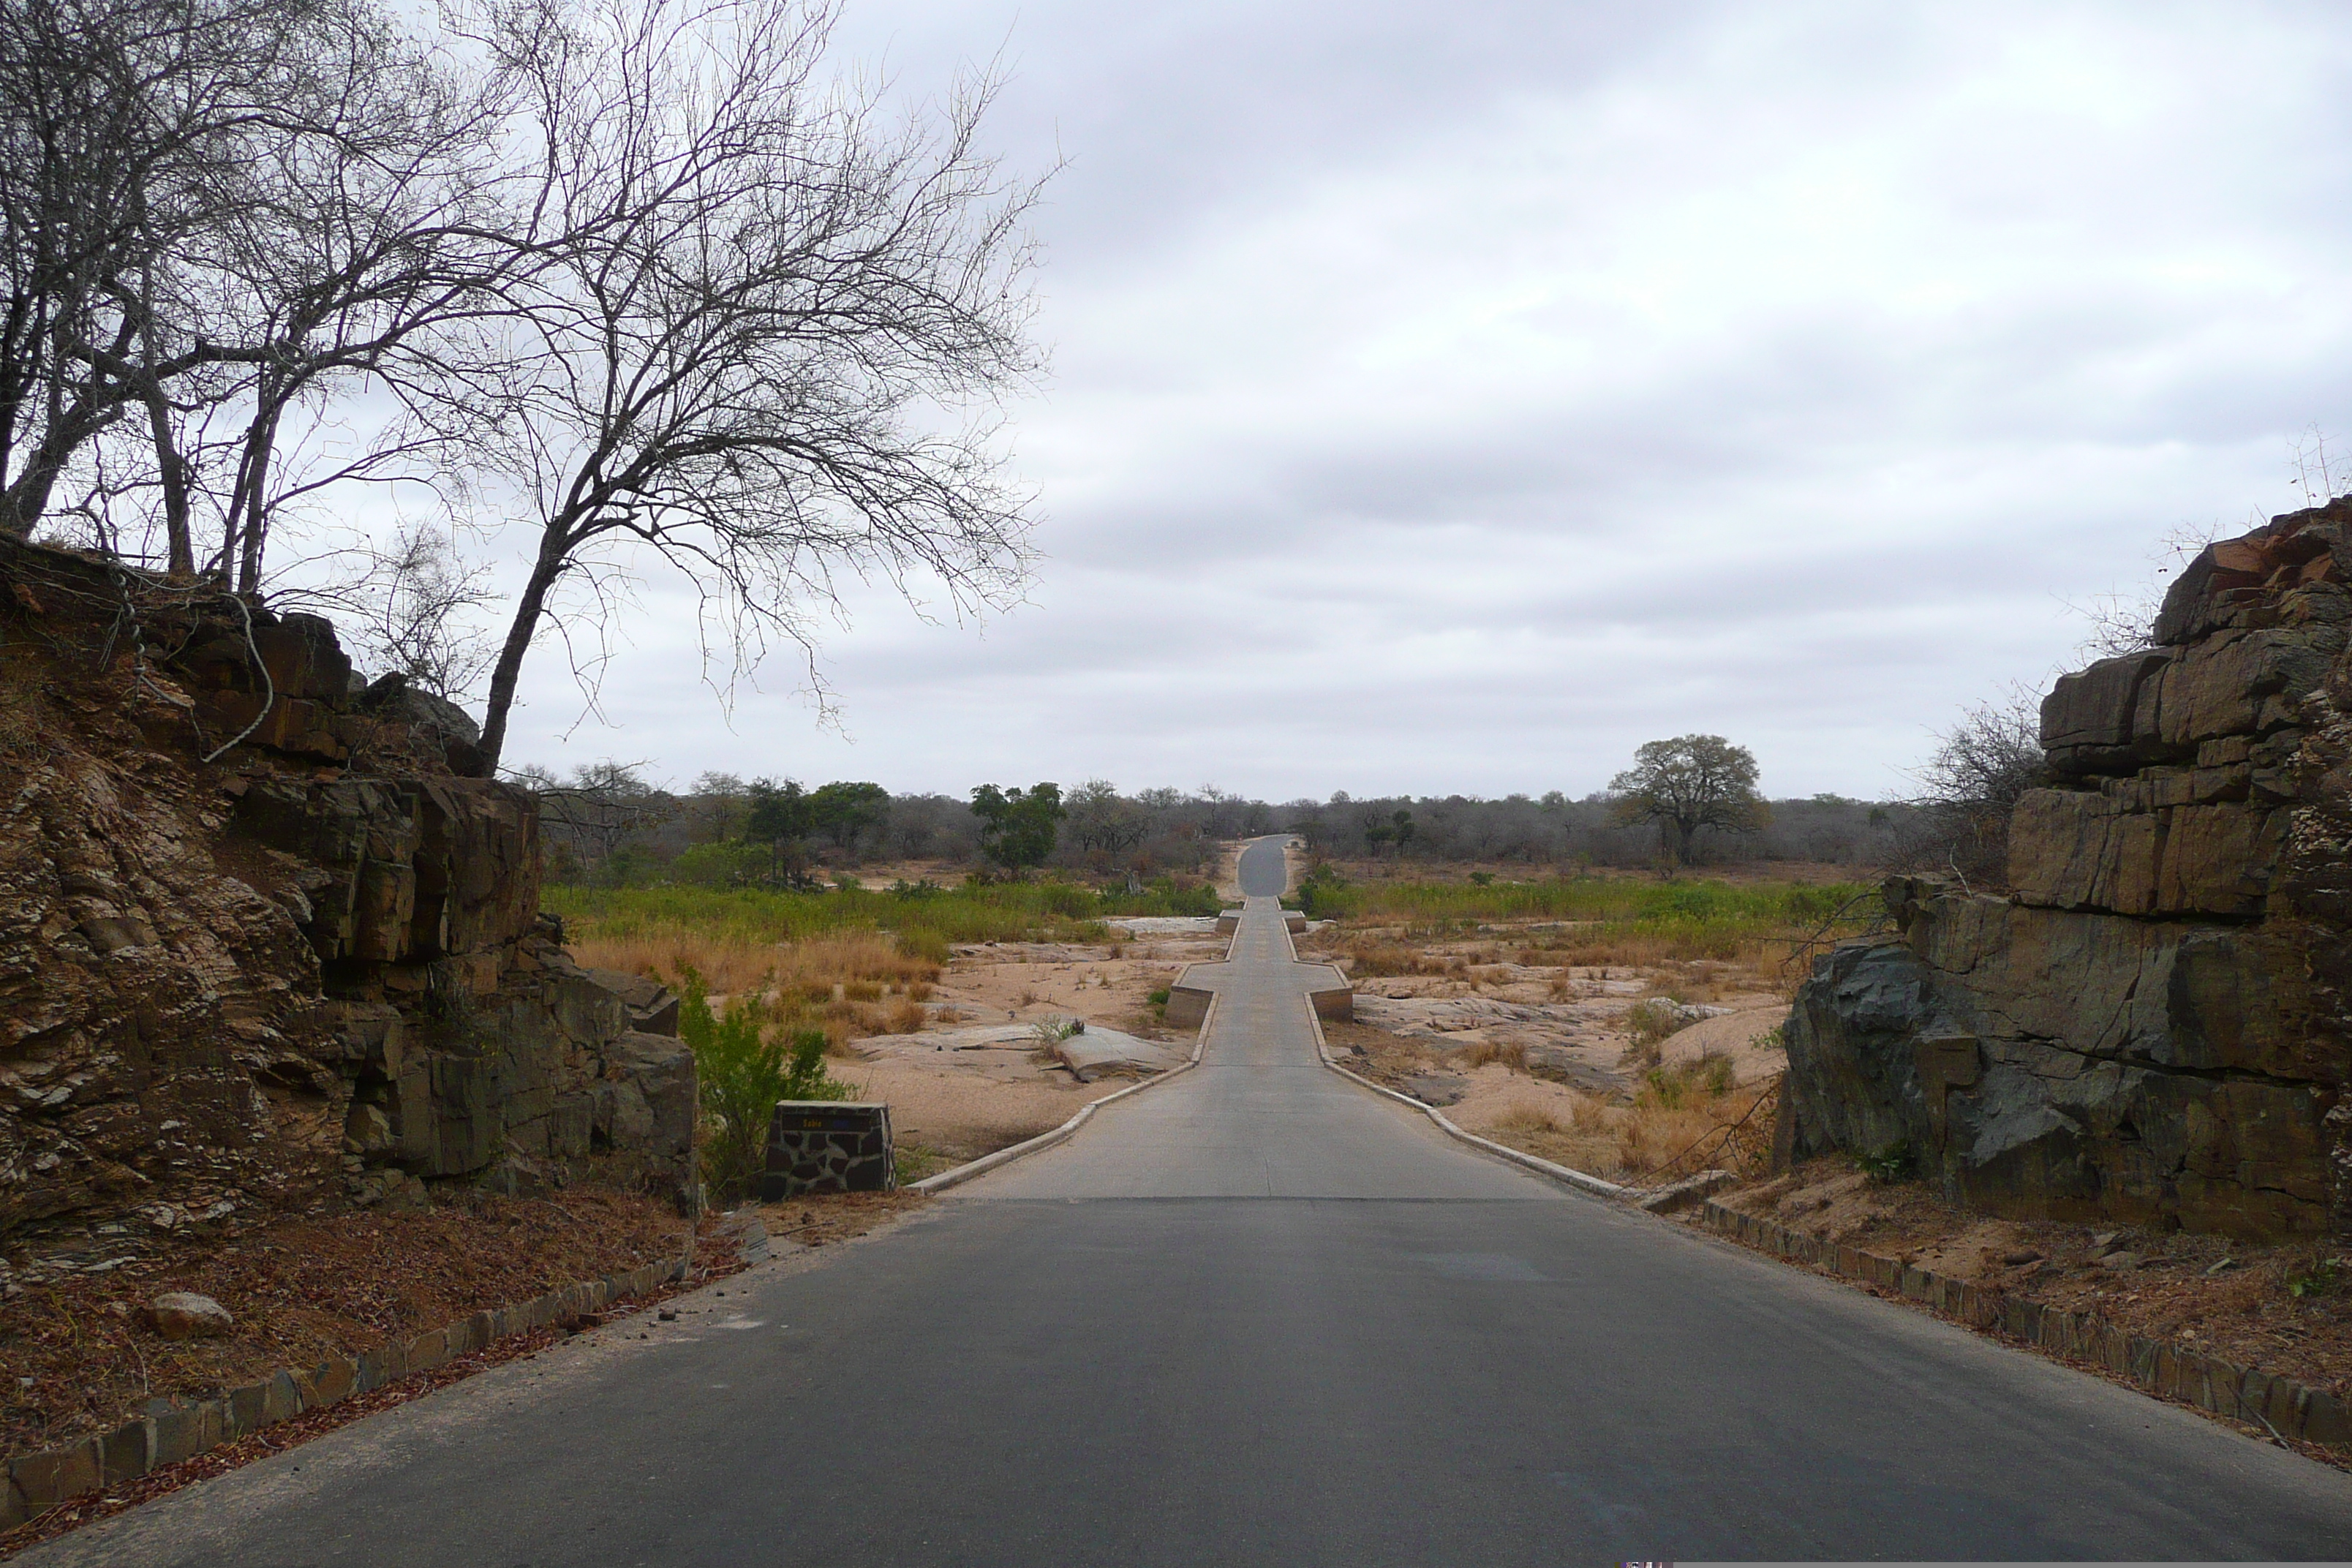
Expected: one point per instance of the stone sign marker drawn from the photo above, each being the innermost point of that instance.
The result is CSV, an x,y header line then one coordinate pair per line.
x,y
828,1146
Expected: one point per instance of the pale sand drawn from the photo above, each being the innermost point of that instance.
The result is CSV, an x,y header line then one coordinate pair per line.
x,y
965,1103
1741,1036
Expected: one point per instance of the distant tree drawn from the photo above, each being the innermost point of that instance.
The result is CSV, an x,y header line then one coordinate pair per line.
x,y
1398,829
719,800
778,816
1018,827
596,812
1102,819
842,811
1686,784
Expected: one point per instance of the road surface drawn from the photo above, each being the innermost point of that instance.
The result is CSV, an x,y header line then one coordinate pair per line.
x,y
1259,1316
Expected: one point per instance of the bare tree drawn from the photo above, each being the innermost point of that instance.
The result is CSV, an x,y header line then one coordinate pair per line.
x,y
767,318
1981,768
417,620
372,254
215,202
597,811
2125,622
1102,819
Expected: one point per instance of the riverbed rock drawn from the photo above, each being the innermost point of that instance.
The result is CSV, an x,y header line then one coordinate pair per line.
x,y
185,1315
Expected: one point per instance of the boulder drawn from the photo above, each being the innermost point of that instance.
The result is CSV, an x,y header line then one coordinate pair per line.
x,y
652,1006
396,698
185,1315
1100,1052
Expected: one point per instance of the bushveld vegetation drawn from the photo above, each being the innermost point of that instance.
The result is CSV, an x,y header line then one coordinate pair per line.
x,y
608,826
926,918
1687,940
1675,1110
1602,919
847,964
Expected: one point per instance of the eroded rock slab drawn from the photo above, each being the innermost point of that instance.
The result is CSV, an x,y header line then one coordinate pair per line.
x,y
2153,1026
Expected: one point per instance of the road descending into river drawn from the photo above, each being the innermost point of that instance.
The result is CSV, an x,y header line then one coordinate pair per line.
x,y
1258,1315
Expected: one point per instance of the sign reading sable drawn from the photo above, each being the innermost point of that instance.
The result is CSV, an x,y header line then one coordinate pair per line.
x,y
828,1146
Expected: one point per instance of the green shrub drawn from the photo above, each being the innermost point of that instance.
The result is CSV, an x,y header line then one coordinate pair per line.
x,y
1015,912
743,1073
1163,896
1069,902
1323,895
1654,1020
1686,1083
2318,1275
1892,1162
729,865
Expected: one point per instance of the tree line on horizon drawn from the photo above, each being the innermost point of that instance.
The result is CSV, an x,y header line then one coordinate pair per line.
x,y
607,825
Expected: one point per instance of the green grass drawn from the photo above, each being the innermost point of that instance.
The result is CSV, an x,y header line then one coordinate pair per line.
x,y
927,917
1691,919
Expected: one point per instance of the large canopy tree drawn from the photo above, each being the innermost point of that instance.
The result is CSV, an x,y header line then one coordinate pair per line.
x,y
1690,782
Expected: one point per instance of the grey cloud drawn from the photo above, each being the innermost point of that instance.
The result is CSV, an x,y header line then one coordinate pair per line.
x,y
1451,398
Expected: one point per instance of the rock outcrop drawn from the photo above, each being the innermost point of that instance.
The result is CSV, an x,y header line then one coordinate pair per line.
x,y
312,970
2151,1025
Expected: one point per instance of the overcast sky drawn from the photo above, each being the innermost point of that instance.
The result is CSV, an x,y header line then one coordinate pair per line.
x,y
1451,397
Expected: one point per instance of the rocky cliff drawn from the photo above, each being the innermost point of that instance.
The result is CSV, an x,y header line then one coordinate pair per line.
x,y
2151,1023
302,968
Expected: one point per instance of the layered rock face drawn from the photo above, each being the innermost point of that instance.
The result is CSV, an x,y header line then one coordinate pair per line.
x,y
2151,1027
271,981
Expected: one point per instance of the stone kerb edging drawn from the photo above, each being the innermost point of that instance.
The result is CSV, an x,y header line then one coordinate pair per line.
x,y
1044,1140
183,1430
1519,1157
2290,1410
1562,1174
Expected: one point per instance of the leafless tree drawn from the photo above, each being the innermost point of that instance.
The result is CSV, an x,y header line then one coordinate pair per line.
x,y
1981,768
207,204
770,318
1100,818
417,613
598,810
639,270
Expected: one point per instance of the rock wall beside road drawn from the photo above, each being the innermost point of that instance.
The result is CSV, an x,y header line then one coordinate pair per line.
x,y
312,971
2151,1025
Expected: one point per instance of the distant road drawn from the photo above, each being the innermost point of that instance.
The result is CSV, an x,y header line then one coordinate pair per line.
x,y
1260,1316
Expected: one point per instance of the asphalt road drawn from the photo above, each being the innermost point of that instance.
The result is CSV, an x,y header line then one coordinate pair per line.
x,y
1260,1316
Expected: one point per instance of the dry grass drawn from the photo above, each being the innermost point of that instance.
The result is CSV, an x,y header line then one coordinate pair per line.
x,y
850,986
1676,1109
864,966
1633,1143
1369,959
1479,1053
